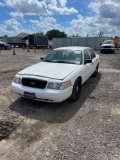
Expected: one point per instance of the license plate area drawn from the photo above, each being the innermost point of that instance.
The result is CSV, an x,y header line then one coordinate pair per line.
x,y
29,95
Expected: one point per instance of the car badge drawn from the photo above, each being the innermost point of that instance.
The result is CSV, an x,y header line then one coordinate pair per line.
x,y
32,83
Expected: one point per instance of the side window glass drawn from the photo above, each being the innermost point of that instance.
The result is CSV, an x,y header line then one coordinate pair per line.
x,y
86,55
92,54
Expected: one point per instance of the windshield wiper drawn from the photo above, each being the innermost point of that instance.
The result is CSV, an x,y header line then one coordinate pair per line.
x,y
60,62
57,61
47,61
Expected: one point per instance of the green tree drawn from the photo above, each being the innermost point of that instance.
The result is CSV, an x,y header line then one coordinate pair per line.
x,y
116,37
40,33
55,34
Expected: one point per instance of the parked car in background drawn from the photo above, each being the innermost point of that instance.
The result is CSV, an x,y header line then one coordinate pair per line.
x,y
4,45
108,46
58,76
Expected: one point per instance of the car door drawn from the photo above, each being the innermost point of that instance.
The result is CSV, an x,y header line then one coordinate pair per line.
x,y
87,66
94,60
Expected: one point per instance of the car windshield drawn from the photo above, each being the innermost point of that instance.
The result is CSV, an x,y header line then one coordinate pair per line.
x,y
64,56
108,42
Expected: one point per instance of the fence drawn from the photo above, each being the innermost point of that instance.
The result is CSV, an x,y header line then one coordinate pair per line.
x,y
93,42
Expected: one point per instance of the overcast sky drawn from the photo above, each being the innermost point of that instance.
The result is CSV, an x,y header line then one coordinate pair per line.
x,y
74,17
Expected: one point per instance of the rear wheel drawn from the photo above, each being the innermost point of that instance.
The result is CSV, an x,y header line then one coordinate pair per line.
x,y
76,90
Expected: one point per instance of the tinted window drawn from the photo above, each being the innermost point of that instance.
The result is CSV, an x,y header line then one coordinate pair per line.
x,y
92,54
86,55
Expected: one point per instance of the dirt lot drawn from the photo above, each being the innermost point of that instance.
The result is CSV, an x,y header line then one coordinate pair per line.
x,y
88,129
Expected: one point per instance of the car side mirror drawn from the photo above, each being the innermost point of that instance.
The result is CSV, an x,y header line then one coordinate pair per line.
x,y
88,61
41,58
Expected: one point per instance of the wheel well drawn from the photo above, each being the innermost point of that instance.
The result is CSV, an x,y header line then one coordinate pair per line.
x,y
80,79
98,65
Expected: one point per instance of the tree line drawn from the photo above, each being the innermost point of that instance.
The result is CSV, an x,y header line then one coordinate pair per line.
x,y
54,33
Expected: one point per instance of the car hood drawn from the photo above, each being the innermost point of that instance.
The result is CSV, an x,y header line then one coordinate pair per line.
x,y
50,70
107,45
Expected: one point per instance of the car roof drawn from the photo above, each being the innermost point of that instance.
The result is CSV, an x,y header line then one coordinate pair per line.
x,y
73,48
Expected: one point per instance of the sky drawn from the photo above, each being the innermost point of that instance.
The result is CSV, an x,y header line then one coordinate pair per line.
x,y
74,17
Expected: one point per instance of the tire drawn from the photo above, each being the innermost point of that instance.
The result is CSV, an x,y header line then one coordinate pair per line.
x,y
3,48
114,52
76,90
96,72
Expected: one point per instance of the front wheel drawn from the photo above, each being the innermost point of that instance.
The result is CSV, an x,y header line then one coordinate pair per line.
x,y
114,52
3,48
76,90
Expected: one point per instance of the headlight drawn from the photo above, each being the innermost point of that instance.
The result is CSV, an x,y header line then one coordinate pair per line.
x,y
53,85
17,80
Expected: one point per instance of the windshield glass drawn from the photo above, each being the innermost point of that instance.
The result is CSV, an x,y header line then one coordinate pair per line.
x,y
64,56
108,42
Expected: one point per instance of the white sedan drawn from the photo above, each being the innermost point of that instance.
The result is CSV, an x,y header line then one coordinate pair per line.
x,y
58,76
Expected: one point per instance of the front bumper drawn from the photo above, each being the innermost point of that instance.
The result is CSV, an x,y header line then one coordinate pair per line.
x,y
107,50
47,95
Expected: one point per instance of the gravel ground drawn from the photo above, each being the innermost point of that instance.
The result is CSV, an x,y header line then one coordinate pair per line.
x,y
84,130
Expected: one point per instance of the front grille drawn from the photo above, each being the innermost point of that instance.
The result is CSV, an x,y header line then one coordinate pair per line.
x,y
107,46
34,83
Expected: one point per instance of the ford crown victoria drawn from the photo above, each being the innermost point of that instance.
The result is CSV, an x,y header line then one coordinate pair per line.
x,y
107,47
58,76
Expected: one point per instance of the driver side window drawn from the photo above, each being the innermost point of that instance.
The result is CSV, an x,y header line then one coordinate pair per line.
x,y
86,55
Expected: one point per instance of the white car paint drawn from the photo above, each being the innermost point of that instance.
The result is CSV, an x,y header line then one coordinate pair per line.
x,y
55,72
108,45
50,70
